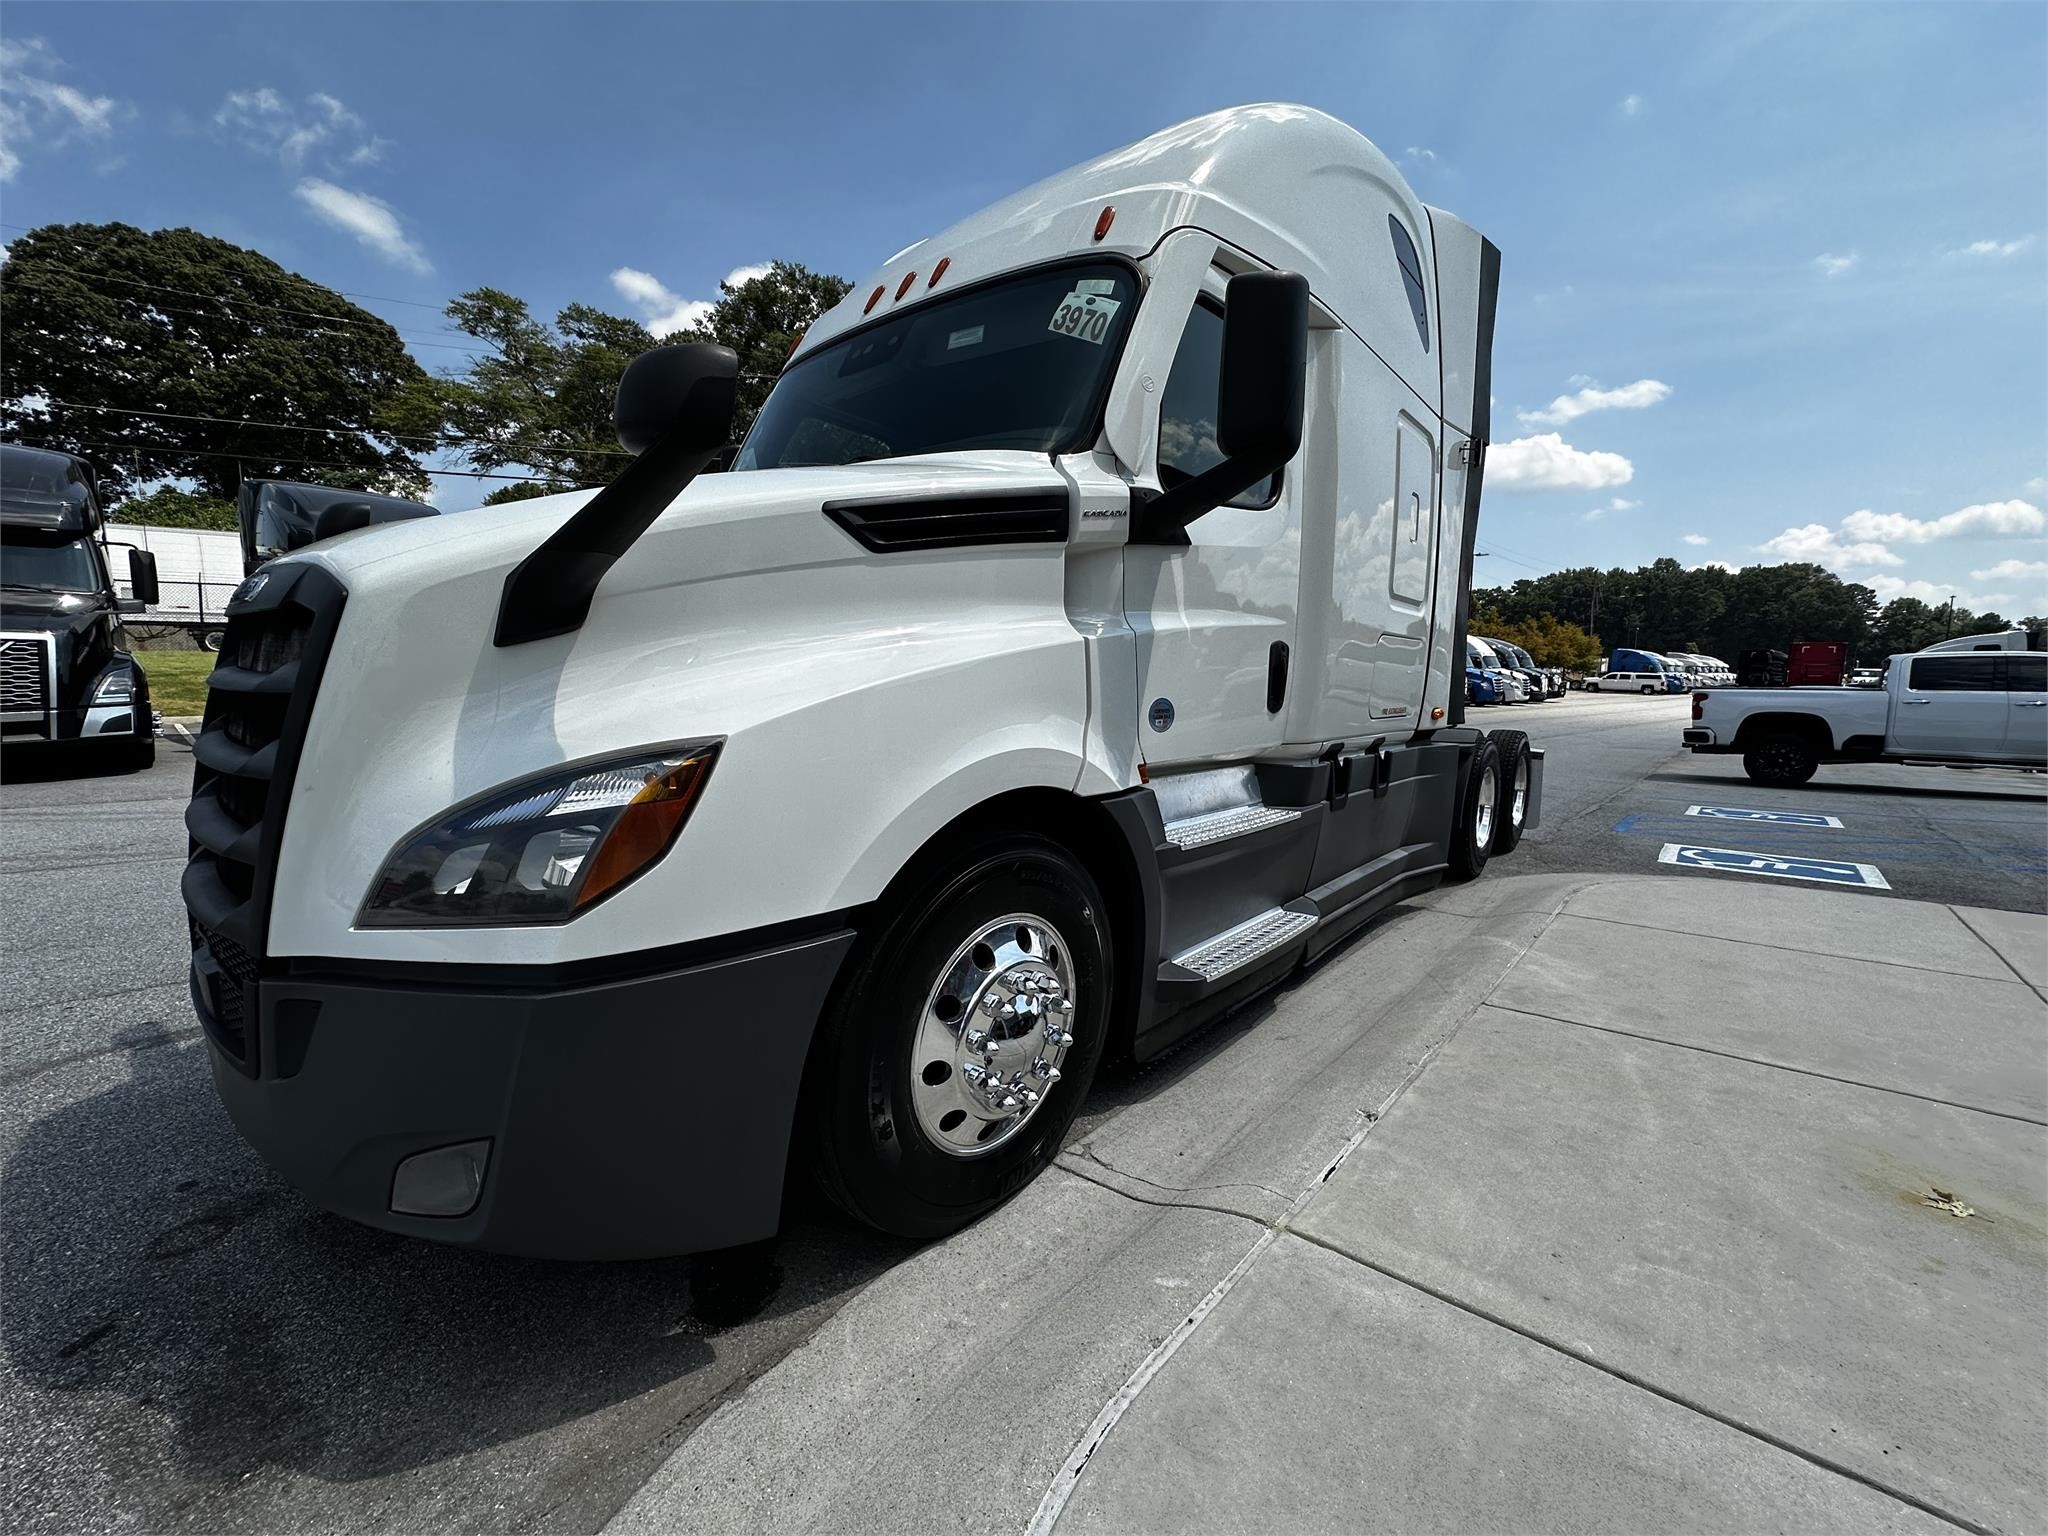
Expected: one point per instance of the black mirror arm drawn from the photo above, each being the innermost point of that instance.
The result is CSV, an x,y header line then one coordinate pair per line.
x,y
1162,517
550,591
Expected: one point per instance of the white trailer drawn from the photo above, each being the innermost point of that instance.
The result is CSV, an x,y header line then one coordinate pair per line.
x,y
197,570
1075,649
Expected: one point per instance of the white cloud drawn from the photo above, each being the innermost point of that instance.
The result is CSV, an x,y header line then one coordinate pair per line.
x,y
2038,485
1417,156
1996,249
271,125
1819,543
1697,539
1937,593
2014,570
1617,504
35,109
665,312
1834,266
1565,408
1632,105
370,221
1546,462
1992,519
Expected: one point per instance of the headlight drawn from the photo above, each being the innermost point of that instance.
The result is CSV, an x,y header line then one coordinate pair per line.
x,y
117,687
544,849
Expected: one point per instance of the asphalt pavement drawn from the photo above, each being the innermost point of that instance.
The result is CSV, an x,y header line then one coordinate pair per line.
x,y
190,1347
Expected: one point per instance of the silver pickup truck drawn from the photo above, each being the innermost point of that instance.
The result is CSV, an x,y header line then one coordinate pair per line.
x,y
1979,700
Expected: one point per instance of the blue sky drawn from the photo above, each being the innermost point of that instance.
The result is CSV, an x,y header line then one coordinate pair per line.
x,y
1775,279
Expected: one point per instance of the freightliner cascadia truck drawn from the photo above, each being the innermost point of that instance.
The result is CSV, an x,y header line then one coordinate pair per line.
x,y
1073,649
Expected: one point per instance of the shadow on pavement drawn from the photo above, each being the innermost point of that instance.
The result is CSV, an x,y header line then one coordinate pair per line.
x,y
42,765
151,1255
1954,791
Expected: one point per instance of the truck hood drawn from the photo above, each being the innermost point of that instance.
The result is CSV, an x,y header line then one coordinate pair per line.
x,y
491,536
26,608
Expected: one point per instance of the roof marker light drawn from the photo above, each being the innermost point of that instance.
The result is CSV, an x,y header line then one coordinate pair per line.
x,y
939,271
1103,220
873,299
904,287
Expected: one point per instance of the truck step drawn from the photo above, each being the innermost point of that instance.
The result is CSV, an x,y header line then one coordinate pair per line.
x,y
1221,826
1235,948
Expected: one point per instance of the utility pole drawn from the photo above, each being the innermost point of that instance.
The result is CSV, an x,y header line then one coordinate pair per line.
x,y
1948,618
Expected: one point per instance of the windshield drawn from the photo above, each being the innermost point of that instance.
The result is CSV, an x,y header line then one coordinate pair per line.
x,y
53,567
1018,363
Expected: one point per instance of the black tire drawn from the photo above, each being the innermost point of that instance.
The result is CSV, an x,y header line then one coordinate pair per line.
x,y
1472,842
1512,807
871,1155
1647,691
1780,759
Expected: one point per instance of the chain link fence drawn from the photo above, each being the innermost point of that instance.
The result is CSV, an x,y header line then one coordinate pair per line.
x,y
187,616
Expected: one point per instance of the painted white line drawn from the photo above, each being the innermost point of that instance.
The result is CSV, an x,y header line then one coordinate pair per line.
x,y
1780,818
1738,861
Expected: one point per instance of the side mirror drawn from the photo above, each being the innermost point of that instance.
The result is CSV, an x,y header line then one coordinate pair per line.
x,y
142,577
684,395
674,411
1261,399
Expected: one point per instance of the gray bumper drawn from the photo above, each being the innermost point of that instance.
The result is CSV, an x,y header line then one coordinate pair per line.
x,y
626,1119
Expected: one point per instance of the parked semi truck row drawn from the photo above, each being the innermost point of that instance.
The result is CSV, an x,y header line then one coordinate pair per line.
x,y
67,676
1075,648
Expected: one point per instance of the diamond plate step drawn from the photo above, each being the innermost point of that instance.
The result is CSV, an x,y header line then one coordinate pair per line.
x,y
1235,948
1220,826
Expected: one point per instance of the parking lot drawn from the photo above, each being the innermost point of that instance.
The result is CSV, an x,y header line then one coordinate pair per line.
x,y
190,1346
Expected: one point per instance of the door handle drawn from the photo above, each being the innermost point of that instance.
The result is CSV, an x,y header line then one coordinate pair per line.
x,y
1916,701
2034,703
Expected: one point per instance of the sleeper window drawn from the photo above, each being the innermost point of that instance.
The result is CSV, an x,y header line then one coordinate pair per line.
x,y
1187,415
1411,278
1957,674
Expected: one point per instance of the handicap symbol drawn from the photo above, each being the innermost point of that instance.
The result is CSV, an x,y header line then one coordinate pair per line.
x,y
1779,818
1743,862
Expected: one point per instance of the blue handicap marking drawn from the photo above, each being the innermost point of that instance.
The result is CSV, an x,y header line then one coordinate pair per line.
x,y
1738,861
1781,818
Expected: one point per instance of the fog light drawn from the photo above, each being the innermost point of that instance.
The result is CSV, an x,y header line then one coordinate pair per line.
x,y
443,1182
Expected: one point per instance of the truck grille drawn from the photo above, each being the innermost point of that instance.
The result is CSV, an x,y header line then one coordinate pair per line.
x,y
259,700
25,678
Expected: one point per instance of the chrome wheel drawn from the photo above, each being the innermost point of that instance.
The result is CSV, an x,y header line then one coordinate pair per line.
x,y
1489,795
993,1032
1519,805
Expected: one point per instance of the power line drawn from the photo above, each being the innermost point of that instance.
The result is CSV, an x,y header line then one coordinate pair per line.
x,y
345,293
288,426
265,458
332,320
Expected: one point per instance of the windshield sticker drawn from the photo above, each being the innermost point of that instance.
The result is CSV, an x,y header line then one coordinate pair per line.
x,y
1101,287
971,337
1084,315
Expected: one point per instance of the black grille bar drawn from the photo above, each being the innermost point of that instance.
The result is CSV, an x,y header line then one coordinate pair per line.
x,y
259,701
900,524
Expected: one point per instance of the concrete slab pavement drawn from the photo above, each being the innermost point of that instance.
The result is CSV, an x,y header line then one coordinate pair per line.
x,y
1400,1256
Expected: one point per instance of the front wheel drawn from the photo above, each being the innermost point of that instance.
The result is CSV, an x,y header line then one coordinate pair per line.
x,y
1781,760
962,1038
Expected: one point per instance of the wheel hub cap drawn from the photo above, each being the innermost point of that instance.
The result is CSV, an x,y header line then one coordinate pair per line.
x,y
994,1030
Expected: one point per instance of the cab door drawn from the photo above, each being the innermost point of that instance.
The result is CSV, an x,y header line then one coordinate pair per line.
x,y
1952,706
1215,621
2026,708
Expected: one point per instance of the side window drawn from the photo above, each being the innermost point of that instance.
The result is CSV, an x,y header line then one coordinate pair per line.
x,y
2026,674
1187,414
1957,674
1411,276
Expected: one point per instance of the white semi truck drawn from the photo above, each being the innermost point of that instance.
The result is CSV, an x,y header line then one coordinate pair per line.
x,y
1075,648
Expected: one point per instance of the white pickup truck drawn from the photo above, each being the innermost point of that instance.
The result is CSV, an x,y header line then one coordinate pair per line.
x,y
1977,700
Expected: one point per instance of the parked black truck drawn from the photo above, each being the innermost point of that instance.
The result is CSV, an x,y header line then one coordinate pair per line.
x,y
66,675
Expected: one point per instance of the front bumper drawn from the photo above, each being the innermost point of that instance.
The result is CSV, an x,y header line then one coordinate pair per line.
x,y
626,1118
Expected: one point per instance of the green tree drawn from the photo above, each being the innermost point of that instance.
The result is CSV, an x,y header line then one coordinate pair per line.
x,y
162,355
762,320
542,400
169,507
523,490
